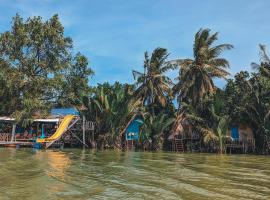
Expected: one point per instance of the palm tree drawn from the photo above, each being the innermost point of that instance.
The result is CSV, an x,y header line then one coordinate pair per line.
x,y
264,66
153,86
221,133
154,92
109,107
258,111
155,128
195,81
196,75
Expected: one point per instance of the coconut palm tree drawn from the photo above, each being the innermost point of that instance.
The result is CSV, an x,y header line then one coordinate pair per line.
x,y
195,81
154,92
264,66
196,75
153,86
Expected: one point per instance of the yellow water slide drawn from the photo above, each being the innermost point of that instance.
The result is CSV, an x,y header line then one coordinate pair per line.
x,y
60,131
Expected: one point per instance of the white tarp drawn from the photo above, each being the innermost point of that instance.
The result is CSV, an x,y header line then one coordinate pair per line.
x,y
55,120
9,119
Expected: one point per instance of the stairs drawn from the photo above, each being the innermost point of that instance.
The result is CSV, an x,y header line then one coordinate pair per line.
x,y
130,145
178,145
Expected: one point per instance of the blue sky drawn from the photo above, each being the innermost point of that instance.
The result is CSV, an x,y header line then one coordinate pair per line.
x,y
114,34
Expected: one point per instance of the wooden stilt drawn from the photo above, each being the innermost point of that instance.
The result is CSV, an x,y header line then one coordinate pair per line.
x,y
83,129
13,132
78,138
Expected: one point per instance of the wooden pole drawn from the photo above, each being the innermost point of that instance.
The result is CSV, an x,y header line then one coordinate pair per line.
x,y
13,132
83,128
78,138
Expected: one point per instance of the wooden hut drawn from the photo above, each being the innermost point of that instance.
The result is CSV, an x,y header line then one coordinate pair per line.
x,y
240,138
183,137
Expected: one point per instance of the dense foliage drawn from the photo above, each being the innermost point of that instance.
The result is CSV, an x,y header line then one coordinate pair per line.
x,y
247,99
38,71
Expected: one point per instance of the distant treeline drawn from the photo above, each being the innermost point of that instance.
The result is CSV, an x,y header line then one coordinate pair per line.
x,y
39,70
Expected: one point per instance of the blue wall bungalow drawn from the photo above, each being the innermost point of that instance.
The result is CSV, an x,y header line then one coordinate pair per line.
x,y
132,132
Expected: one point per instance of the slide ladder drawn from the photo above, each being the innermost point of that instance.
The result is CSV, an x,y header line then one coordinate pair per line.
x,y
64,126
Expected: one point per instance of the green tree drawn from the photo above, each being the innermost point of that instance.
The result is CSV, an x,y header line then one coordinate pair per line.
x,y
196,75
247,101
38,69
76,82
156,128
195,87
264,67
153,85
153,90
110,106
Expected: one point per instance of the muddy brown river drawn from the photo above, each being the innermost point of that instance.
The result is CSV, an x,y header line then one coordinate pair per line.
x,y
86,174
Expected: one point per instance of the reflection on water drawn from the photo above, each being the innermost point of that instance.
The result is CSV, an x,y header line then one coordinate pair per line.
x,y
87,174
58,162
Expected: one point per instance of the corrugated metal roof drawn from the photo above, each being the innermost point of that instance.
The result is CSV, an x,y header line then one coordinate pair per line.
x,y
64,111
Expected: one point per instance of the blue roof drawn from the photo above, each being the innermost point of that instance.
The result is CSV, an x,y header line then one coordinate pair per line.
x,y
64,111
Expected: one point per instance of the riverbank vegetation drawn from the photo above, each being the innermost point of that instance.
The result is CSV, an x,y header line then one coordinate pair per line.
x,y
39,70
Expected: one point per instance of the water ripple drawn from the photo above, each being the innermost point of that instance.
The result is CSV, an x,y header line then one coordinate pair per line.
x,y
77,174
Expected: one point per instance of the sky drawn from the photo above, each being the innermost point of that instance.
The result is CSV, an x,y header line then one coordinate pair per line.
x,y
114,34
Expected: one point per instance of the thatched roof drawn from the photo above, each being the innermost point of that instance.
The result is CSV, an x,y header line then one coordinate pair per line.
x,y
177,128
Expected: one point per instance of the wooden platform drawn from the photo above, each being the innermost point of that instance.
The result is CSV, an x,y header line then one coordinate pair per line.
x,y
15,144
130,145
240,145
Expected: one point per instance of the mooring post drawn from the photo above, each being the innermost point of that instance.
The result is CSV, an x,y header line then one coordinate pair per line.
x,y
13,132
83,128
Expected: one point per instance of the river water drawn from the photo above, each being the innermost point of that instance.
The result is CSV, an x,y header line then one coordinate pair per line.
x,y
86,174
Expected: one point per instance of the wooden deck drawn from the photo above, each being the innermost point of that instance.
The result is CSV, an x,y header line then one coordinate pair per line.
x,y
193,143
186,143
130,145
243,146
16,143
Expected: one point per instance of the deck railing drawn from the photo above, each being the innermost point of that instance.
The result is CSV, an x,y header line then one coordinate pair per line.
x,y
246,145
5,137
